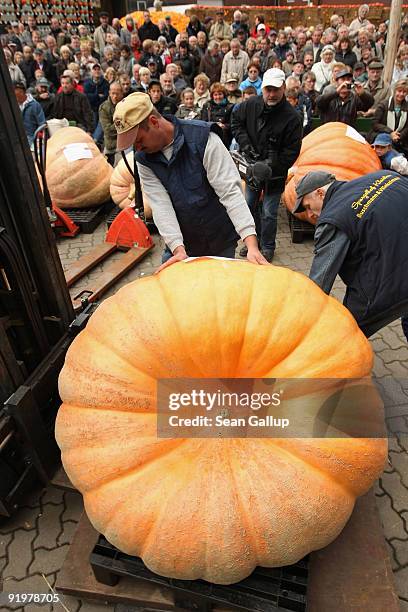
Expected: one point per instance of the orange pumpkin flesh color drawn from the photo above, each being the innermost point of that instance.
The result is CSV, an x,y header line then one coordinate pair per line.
x,y
330,148
81,183
211,508
122,186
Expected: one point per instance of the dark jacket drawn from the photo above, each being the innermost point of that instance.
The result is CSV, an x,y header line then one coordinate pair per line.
x,y
47,104
380,121
204,222
348,57
61,66
281,51
96,92
332,109
173,33
371,210
188,64
106,111
74,107
274,133
221,114
166,106
149,30
194,28
144,59
27,68
312,95
211,66
49,71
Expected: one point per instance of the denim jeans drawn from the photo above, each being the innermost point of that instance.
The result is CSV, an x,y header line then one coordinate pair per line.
x,y
98,132
229,252
266,221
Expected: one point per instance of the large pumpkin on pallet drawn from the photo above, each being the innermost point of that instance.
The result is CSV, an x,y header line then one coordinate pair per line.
x,y
122,186
211,508
78,175
337,148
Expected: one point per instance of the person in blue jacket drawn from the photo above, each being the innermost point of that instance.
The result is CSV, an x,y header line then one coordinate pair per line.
x,y
96,90
362,235
253,79
390,158
31,110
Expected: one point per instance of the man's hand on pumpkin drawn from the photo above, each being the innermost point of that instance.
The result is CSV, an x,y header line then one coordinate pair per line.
x,y
179,254
254,255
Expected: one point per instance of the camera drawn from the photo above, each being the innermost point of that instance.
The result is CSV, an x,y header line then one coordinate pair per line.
x,y
349,85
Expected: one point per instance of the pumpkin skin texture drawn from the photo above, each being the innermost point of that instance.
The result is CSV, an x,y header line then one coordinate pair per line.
x,y
210,508
329,148
122,186
80,184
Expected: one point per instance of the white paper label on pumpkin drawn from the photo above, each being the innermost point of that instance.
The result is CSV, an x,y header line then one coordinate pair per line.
x,y
352,133
77,150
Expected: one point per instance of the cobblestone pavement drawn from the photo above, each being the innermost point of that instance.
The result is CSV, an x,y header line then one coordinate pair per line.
x,y
34,542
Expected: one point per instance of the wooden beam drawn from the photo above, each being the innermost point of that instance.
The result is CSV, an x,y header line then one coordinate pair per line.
x,y
393,37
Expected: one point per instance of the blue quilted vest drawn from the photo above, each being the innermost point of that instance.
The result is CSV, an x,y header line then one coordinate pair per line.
x,y
204,222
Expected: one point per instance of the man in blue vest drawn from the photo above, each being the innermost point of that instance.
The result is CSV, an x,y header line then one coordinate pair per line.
x,y
362,235
190,180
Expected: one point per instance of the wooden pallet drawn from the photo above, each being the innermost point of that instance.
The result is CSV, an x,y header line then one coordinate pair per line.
x,y
352,574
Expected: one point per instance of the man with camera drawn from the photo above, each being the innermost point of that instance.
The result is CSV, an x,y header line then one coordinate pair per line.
x,y
268,131
343,102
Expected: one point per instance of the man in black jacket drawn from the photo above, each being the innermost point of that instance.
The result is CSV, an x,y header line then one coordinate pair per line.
x,y
362,235
48,69
73,105
148,29
342,103
164,105
269,131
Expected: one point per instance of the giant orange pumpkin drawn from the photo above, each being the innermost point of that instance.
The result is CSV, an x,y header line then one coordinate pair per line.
x,y
210,508
336,148
178,20
122,186
81,183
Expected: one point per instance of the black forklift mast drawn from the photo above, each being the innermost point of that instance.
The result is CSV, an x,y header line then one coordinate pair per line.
x,y
36,314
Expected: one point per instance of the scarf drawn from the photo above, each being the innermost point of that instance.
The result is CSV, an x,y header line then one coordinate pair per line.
x,y
394,122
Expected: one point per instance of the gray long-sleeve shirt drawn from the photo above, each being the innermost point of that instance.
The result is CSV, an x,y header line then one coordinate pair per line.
x,y
331,247
223,177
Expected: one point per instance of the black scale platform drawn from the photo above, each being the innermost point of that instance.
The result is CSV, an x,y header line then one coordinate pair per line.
x,y
88,219
265,590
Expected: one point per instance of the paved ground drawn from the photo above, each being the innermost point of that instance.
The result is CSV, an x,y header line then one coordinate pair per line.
x,y
33,544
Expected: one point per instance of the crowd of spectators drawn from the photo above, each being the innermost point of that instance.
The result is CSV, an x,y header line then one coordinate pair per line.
x,y
334,72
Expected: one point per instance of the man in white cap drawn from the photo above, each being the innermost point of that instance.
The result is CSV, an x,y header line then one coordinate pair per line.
x,y
269,133
190,180
361,235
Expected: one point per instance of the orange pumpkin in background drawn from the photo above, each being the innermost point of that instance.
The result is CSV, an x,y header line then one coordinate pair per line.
x,y
76,184
211,508
336,148
122,186
178,20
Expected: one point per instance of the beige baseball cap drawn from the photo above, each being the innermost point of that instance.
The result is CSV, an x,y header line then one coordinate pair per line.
x,y
129,113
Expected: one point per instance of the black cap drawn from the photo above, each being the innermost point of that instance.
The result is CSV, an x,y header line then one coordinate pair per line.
x,y
344,73
311,181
